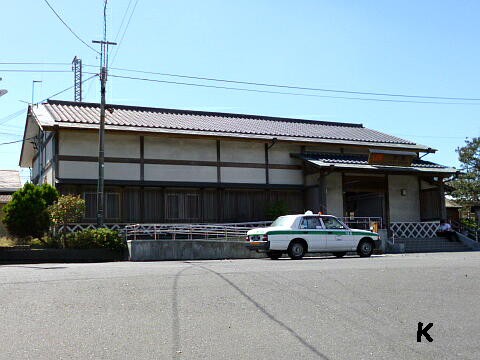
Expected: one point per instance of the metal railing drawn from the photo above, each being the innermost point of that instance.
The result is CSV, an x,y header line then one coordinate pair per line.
x,y
228,231
468,231
363,223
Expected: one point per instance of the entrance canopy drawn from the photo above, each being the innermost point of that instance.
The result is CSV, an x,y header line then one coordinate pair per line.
x,y
361,162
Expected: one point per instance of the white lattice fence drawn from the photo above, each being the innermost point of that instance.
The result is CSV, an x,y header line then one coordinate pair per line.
x,y
424,229
80,227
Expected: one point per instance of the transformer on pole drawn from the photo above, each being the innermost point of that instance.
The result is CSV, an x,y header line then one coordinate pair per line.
x,y
77,76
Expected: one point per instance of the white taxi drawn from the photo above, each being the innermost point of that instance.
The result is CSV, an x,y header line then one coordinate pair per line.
x,y
298,234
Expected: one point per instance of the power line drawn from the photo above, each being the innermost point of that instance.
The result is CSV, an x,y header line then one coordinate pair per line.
x,y
123,20
17,141
291,93
68,27
296,87
124,31
36,71
32,63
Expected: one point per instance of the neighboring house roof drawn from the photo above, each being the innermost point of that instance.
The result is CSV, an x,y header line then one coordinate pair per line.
x,y
449,203
9,181
360,161
5,199
65,114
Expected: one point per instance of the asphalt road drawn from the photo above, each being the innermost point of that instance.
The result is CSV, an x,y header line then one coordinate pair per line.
x,y
316,308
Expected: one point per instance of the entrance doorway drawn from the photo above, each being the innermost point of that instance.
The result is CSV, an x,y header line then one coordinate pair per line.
x,y
365,196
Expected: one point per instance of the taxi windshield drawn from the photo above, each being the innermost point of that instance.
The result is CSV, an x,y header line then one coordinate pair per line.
x,y
283,221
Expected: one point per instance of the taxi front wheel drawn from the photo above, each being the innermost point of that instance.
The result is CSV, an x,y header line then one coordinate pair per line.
x,y
296,250
365,248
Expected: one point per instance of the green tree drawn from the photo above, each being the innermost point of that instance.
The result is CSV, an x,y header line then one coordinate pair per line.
x,y
66,210
467,185
26,214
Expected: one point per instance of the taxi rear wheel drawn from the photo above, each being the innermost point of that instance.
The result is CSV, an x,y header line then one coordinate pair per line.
x,y
296,249
365,248
274,255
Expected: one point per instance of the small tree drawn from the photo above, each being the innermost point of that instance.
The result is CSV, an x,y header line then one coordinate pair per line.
x,y
25,214
68,209
467,186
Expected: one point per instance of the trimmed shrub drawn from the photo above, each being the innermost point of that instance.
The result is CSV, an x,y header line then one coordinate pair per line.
x,y
26,214
94,239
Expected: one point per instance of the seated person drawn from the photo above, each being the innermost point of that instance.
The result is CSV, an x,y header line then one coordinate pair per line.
x,y
445,230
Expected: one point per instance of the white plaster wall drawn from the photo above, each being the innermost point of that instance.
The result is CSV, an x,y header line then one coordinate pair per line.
x,y
404,208
48,176
334,189
180,148
120,145
285,176
49,150
280,154
181,173
243,175
78,143
89,170
323,148
247,152
35,167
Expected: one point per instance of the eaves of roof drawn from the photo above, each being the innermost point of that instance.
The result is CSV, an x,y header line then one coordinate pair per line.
x,y
360,162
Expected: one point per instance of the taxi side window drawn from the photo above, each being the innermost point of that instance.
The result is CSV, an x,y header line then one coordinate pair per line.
x,y
310,223
332,223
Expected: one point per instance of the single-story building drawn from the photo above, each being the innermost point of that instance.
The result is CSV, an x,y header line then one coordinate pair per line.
x,y
9,183
168,165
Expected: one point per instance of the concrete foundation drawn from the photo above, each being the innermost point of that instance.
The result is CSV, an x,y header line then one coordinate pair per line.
x,y
154,250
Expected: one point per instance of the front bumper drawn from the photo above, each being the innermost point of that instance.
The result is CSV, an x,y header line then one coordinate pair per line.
x,y
258,245
377,249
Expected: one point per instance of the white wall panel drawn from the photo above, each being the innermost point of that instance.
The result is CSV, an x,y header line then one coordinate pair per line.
x,y
180,173
246,152
334,191
89,170
285,176
280,154
243,175
404,208
180,149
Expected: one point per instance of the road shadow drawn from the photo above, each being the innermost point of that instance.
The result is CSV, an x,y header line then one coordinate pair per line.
x,y
266,313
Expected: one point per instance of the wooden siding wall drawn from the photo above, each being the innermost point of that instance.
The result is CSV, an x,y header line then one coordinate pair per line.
x,y
186,205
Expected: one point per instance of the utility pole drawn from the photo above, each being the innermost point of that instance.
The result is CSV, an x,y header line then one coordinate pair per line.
x,y
101,133
77,78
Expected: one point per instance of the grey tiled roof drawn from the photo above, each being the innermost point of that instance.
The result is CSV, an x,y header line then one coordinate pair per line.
x,y
9,180
360,159
71,114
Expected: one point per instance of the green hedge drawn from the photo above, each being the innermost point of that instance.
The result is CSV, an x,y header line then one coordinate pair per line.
x,y
94,239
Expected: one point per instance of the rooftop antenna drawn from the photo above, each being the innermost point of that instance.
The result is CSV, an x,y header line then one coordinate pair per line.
x,y
33,88
77,78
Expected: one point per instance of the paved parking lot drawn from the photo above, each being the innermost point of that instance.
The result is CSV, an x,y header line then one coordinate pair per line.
x,y
316,308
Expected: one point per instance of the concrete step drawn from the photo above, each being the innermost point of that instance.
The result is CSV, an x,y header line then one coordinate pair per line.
x,y
431,245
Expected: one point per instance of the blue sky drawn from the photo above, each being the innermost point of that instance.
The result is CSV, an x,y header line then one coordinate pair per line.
x,y
409,47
